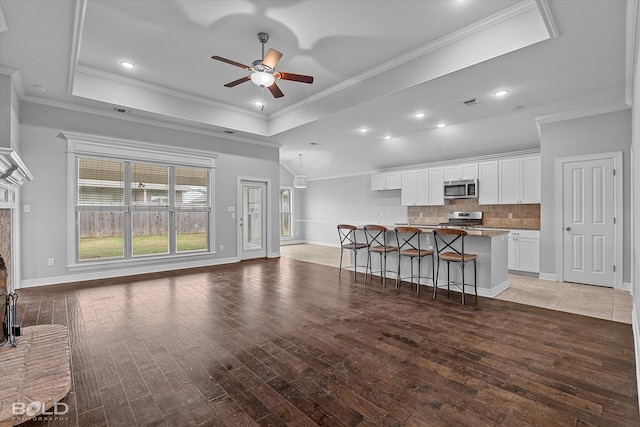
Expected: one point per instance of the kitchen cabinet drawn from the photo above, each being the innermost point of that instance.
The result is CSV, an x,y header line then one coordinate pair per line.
x,y
519,180
415,188
461,171
488,182
386,181
524,250
436,186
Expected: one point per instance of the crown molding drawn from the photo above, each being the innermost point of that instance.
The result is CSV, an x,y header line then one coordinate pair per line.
x,y
547,18
15,77
580,113
146,121
562,116
79,10
465,32
164,91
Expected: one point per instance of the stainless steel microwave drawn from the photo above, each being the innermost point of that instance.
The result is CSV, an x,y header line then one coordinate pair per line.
x,y
463,189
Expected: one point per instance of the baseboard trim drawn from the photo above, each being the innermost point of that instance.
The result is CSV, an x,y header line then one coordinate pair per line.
x,y
547,276
626,286
59,280
314,242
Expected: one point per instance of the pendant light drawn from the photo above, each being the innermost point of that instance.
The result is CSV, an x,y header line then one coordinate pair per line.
x,y
299,180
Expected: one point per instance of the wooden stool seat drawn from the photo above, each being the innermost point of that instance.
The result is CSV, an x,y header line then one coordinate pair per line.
x,y
416,253
454,257
382,249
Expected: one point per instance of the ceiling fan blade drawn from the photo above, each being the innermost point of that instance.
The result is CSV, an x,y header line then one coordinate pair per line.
x,y
275,91
294,77
237,82
271,58
229,61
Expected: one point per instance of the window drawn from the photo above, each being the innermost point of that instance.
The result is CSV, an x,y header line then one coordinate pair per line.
x,y
134,201
286,213
128,209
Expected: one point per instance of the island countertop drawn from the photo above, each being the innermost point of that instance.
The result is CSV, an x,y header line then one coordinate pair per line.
x,y
471,232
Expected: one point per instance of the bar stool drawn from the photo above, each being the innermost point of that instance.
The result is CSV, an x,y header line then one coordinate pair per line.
x,y
408,239
445,238
376,236
347,235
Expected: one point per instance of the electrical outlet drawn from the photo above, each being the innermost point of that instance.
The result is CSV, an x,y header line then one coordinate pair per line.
x,y
27,208
420,214
51,261
510,215
221,248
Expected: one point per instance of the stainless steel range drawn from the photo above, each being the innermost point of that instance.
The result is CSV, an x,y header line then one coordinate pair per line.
x,y
459,219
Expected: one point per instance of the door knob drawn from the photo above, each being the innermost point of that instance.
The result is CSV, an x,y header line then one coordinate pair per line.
x,y
568,228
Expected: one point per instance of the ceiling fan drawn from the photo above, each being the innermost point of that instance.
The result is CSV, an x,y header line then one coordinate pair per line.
x,y
263,72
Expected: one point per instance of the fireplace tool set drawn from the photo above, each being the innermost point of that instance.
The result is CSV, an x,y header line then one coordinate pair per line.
x,y
9,329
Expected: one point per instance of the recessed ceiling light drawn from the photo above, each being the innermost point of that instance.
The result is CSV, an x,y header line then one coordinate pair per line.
x,y
387,137
128,64
501,92
39,87
420,115
441,125
364,130
258,103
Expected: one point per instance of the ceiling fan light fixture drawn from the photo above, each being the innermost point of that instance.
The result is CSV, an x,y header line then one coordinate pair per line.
x,y
262,79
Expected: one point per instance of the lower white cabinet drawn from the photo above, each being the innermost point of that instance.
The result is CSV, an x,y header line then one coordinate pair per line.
x,y
524,250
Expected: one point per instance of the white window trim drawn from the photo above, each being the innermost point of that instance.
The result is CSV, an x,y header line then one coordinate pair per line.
x,y
292,219
129,150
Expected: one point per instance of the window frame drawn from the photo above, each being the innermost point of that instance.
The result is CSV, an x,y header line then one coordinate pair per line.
x,y
292,235
114,149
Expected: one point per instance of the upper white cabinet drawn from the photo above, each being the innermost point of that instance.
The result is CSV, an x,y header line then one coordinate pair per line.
x,y
488,182
436,186
519,180
386,181
461,171
415,188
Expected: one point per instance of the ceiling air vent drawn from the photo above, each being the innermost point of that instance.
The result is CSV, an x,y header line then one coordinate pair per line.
x,y
120,110
470,102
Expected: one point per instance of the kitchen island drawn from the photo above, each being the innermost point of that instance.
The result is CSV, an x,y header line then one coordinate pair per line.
x,y
491,247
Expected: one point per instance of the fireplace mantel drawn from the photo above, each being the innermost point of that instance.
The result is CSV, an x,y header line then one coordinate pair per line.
x,y
12,169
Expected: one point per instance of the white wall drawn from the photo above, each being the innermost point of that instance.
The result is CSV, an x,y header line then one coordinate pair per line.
x,y
588,135
44,233
348,200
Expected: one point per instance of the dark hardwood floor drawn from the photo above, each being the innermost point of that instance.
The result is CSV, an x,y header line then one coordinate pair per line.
x,y
285,342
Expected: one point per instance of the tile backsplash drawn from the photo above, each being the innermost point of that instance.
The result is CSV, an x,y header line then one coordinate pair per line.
x,y
522,216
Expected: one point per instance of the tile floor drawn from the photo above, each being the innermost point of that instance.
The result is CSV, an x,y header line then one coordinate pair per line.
x,y
587,300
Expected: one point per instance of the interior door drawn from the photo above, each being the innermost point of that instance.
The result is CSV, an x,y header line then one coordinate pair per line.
x,y
252,221
588,212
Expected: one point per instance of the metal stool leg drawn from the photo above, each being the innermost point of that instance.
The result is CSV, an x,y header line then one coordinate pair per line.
x,y
418,282
475,279
462,287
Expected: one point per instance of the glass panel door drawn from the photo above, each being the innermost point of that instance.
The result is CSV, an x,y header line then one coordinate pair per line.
x,y
253,201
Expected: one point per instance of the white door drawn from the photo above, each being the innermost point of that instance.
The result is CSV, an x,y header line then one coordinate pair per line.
x,y
252,220
588,213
